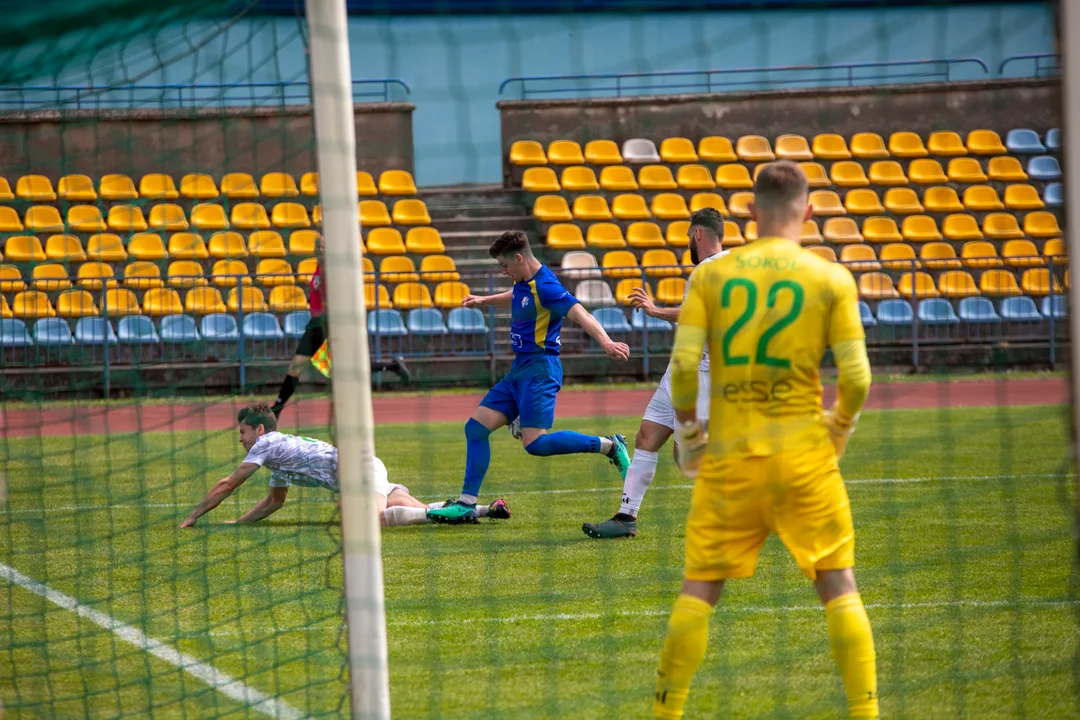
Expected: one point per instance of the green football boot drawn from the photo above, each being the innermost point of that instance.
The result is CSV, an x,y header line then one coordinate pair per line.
x,y
456,513
619,526
620,458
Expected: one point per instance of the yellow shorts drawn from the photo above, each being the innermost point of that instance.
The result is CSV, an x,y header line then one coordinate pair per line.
x,y
736,504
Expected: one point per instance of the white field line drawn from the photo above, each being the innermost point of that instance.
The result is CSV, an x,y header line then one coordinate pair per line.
x,y
223,683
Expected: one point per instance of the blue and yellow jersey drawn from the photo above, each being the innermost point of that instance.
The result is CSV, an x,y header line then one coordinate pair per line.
x,y
539,306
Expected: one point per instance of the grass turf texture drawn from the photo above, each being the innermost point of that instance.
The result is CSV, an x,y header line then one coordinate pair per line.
x,y
969,582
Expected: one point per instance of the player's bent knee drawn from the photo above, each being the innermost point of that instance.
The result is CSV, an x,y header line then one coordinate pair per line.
x,y
540,447
475,430
831,584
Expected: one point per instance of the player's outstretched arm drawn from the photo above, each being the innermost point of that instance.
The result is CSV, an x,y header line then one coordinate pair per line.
x,y
267,506
502,299
222,489
848,343
641,300
616,350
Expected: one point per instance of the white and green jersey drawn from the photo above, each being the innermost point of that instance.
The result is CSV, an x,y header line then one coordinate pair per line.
x,y
304,461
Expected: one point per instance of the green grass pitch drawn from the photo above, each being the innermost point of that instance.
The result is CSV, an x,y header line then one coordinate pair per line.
x,y
963,540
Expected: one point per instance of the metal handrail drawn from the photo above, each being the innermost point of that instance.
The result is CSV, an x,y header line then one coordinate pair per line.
x,y
1051,68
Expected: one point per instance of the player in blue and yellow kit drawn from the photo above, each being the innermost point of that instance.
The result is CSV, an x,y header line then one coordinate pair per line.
x,y
539,302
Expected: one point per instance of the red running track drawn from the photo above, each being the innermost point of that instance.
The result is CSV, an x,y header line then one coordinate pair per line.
x,y
221,415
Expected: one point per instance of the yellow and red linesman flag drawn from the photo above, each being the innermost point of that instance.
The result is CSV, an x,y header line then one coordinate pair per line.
x,y
321,359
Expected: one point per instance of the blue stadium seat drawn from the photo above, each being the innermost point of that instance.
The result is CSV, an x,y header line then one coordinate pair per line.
x,y
937,311
94,331
426,321
295,322
1044,167
978,310
1054,195
386,323
466,321
1060,307
179,329
52,331
895,312
137,330
638,319
262,326
1020,309
219,327
867,315
613,320
13,334
1025,141
1053,139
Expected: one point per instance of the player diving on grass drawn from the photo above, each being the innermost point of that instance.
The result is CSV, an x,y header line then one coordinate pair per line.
x,y
706,234
768,461
538,303
295,460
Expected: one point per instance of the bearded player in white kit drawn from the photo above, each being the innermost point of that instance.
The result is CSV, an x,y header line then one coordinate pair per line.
x,y
295,460
658,424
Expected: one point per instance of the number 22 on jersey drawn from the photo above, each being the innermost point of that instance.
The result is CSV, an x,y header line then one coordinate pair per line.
x,y
737,291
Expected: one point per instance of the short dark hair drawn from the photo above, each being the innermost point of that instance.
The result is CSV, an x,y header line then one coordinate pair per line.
x,y
779,183
256,414
710,219
510,243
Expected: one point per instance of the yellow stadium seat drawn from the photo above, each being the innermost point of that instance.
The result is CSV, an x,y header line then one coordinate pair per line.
x,y
198,186
750,231
848,173
793,147
1003,226
396,182
450,293
158,186
168,216
266,244
966,170
980,254
942,200
656,177
373,213
670,290
227,273
122,218
287,298
754,148
142,275
45,218
577,178
249,299
271,272
624,286
563,152
228,245
939,256
920,228
644,235
551,208
1041,224
32,304
677,150
863,202
24,248
249,216
289,215
927,172
64,248
365,184
1021,254
815,174
204,301
946,143
106,247
824,252
957,284
1056,250
540,180
859,258
385,241
11,279
74,188
1036,281
278,185
708,199
120,302
694,177
410,295
843,230
733,177
811,234
147,246
50,277
902,201
917,284
670,206
620,264
1023,197
618,178
438,268
739,204
117,186
208,216
424,241
186,274
826,203
677,233
527,152
303,242
316,214
305,269
830,146
398,268
998,283
985,142
602,152
906,144
6,194
876,286
733,236
591,207
716,150
898,256
76,304
887,172
605,236
868,146
881,230
661,263
982,198
371,292
1006,169
35,188
961,227
239,186
309,184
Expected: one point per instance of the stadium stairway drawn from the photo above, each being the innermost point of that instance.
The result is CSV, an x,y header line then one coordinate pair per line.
x,y
470,218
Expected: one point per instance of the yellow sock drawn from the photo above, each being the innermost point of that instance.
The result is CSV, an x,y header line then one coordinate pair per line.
x,y
684,649
852,644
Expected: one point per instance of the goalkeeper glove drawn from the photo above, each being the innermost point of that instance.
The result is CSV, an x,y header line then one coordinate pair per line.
x,y
691,441
840,428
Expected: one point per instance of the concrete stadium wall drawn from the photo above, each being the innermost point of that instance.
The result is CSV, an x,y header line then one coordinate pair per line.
x,y
136,142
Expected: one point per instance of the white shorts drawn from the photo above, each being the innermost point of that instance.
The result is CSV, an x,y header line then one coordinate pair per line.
x,y
660,410
383,486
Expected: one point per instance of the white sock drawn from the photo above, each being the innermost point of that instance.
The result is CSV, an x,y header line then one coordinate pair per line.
x,y
401,515
605,445
436,505
638,478
468,499
481,510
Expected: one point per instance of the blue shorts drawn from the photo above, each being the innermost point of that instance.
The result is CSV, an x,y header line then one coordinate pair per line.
x,y
528,390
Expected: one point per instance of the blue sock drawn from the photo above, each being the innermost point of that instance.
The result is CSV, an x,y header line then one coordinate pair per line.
x,y
564,442
477,457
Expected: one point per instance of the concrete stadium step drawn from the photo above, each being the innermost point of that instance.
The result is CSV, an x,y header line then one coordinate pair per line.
x,y
452,212
483,225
